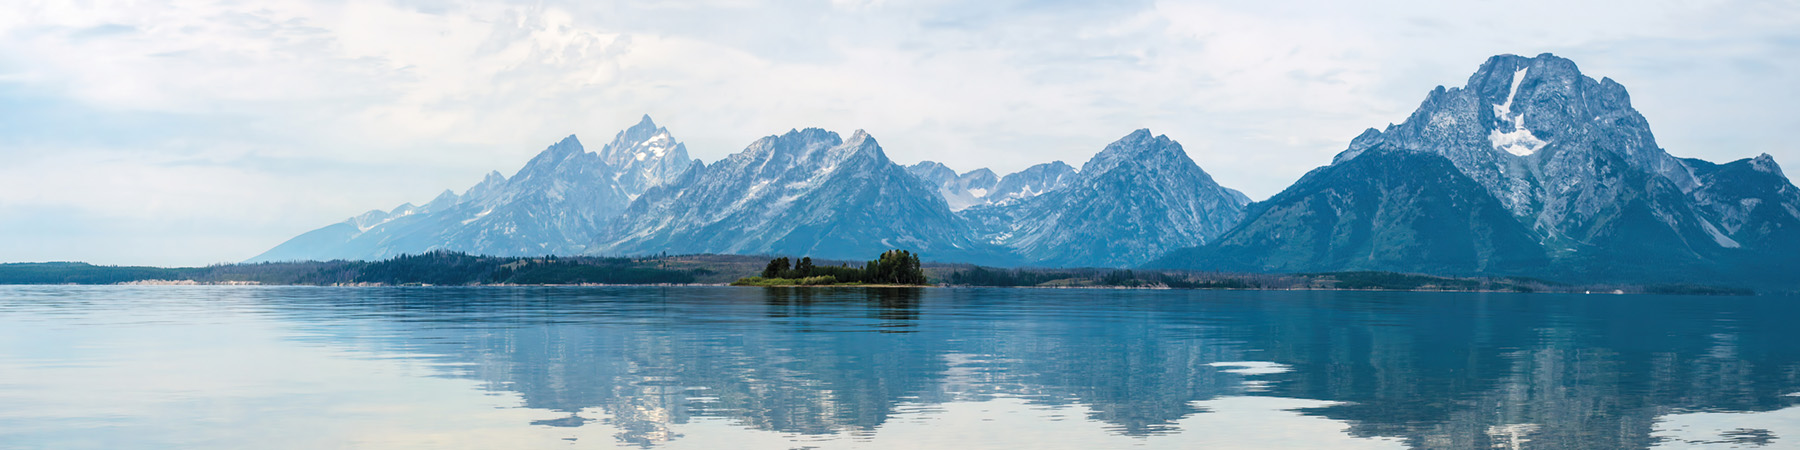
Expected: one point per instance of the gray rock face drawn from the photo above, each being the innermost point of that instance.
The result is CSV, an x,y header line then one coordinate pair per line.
x,y
557,204
1031,182
959,191
645,156
1137,199
981,187
1386,209
806,192
1757,208
1752,203
1568,159
1560,150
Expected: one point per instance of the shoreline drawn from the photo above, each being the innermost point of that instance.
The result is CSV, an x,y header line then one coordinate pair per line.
x,y
189,283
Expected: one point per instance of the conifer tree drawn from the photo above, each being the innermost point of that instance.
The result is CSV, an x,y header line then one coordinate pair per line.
x,y
804,268
776,268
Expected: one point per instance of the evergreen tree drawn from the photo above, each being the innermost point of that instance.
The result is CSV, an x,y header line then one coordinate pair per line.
x,y
804,268
777,267
896,267
893,267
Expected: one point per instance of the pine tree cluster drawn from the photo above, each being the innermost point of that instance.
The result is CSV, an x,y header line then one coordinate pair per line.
x,y
893,267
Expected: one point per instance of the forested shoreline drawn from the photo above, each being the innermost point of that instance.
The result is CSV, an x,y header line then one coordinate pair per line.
x,y
433,268
895,268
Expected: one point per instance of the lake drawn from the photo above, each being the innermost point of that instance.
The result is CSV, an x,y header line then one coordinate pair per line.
x,y
719,367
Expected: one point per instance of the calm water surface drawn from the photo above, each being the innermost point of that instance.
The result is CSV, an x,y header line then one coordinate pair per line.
x,y
698,367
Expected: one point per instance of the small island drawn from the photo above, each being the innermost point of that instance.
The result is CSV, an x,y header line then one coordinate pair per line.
x,y
893,268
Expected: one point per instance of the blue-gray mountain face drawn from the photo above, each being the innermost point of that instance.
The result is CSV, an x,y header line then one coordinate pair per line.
x,y
1030,182
559,203
980,187
959,191
1139,198
806,192
1530,169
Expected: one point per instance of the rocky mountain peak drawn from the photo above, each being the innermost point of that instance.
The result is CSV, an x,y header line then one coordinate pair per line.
x,y
805,192
644,156
979,179
563,149
777,153
640,132
861,143
1031,182
489,185
960,191
1766,164
443,200
933,172
1138,147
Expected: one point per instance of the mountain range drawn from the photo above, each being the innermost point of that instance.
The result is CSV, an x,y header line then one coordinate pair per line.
x,y
805,192
1531,168
558,204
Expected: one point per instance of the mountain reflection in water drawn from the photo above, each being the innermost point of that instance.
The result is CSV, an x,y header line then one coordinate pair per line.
x,y
655,366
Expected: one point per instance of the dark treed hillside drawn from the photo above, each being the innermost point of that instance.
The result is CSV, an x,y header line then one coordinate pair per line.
x,y
435,268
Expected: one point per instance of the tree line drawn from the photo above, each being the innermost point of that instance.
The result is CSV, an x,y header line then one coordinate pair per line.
x,y
444,268
892,267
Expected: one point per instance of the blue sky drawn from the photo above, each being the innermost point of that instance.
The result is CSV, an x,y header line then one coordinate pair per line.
x,y
193,132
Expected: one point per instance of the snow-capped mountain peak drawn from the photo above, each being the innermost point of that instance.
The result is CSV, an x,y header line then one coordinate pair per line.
x,y
1137,145
972,188
805,192
644,156
1137,198
556,203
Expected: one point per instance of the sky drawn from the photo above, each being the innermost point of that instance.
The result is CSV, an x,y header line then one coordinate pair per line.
x,y
191,132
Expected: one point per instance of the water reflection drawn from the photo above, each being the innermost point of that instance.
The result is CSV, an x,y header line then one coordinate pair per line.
x,y
656,366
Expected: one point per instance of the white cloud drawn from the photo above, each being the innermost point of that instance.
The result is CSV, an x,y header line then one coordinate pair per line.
x,y
401,99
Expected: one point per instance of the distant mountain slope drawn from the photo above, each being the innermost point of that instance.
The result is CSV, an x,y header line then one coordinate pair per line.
x,y
806,192
1031,182
557,204
959,191
980,187
1138,198
1569,161
1390,210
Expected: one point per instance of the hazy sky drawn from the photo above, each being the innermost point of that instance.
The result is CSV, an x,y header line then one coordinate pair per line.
x,y
193,132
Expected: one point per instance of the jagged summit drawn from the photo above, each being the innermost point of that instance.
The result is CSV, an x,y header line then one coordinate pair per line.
x,y
1766,163
1031,182
960,191
644,156
1138,198
808,191
556,203
1140,143
804,192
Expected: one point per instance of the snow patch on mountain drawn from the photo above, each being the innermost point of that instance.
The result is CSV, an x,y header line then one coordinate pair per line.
x,y
1518,141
